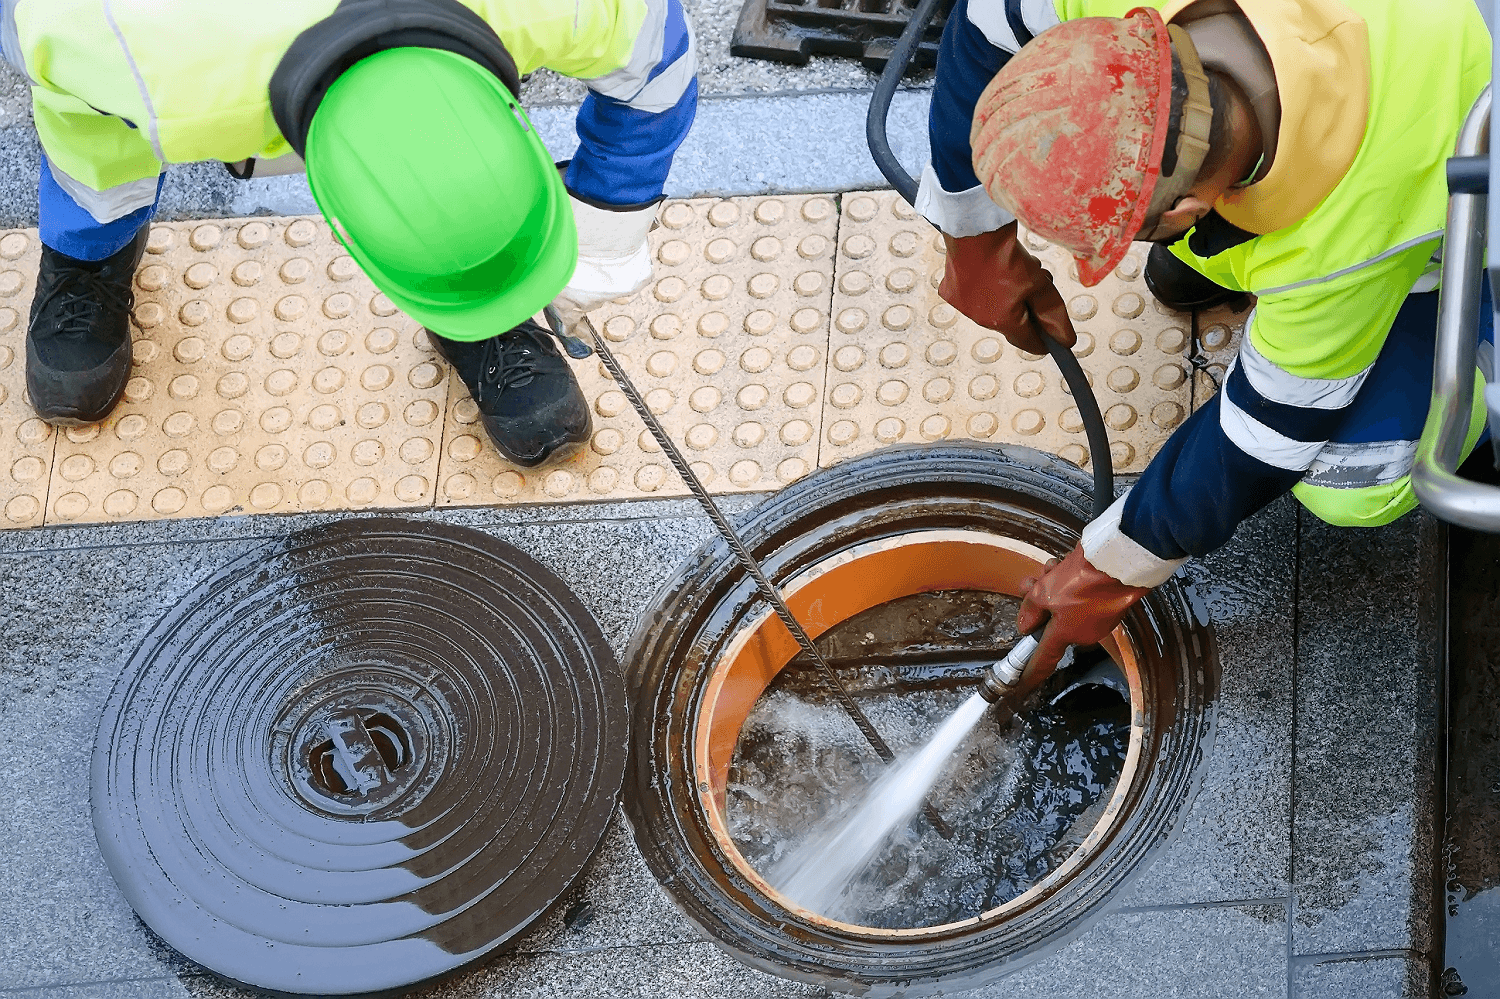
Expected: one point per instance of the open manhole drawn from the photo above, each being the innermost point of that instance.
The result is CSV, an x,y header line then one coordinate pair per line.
x,y
360,758
904,565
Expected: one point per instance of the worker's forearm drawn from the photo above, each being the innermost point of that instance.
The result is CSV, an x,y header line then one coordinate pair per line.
x,y
1200,486
634,119
977,41
951,197
624,155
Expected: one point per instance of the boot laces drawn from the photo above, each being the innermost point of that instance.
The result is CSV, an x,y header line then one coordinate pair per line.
x,y
81,295
508,362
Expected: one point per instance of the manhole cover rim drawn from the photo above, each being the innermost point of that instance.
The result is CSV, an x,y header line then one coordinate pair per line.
x,y
596,684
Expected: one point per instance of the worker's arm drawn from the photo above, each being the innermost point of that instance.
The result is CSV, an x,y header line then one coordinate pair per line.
x,y
640,62
988,275
635,117
1306,354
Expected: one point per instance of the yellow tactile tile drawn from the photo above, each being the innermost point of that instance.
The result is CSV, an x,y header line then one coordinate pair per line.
x,y
28,442
906,366
728,344
269,376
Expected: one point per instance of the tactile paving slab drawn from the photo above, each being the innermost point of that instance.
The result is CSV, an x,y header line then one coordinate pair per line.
x,y
907,367
28,442
778,334
727,345
269,376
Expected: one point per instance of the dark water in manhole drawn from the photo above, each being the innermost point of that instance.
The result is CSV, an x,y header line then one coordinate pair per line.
x,y
1022,791
1472,837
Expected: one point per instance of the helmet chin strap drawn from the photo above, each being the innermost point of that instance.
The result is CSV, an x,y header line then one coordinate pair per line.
x,y
1192,138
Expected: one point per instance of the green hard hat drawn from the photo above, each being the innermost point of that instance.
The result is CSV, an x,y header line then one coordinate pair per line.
x,y
433,177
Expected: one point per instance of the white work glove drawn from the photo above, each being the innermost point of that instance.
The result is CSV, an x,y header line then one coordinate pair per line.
x,y
613,258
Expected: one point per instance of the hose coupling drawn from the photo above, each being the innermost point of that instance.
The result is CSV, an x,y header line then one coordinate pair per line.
x,y
1002,676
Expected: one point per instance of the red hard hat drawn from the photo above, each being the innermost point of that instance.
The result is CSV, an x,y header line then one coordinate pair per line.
x,y
1069,134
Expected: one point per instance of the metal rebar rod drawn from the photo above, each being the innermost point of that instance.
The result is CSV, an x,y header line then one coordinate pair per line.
x,y
751,565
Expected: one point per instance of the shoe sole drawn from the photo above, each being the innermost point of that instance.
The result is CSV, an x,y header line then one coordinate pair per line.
x,y
68,421
570,446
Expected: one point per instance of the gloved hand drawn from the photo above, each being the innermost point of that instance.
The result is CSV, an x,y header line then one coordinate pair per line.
x,y
993,280
613,258
1079,604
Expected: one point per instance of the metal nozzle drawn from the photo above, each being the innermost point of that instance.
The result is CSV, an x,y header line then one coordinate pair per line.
x,y
1000,677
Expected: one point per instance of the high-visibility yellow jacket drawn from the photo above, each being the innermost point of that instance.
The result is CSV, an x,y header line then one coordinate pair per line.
x,y
1373,94
121,87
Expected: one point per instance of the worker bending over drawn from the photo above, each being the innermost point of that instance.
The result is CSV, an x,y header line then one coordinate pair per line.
x,y
407,115
1300,147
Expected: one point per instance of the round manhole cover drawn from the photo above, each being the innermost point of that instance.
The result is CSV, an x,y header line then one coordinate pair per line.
x,y
360,758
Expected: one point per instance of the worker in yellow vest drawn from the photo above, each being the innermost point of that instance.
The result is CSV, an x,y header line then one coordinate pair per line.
x,y
1293,150
417,150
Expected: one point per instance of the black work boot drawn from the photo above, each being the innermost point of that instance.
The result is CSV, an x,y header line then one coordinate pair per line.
x,y
530,402
1178,286
78,343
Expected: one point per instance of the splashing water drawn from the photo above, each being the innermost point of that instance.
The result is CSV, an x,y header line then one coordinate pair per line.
x,y
825,865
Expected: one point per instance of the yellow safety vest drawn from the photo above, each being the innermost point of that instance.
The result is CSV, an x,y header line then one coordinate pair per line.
x,y
120,87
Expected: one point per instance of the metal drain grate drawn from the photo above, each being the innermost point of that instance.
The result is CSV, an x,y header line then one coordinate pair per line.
x,y
793,30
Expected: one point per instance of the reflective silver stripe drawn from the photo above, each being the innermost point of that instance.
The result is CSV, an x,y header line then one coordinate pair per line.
x,y
629,83
989,17
106,206
1361,466
964,213
1278,385
667,89
10,38
1261,442
1393,251
140,82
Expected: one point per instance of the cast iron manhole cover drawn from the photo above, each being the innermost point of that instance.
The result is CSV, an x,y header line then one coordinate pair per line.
x,y
360,758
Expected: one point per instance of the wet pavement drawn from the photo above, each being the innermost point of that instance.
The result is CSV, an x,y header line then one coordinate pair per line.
x,y
1302,868
1471,854
1305,865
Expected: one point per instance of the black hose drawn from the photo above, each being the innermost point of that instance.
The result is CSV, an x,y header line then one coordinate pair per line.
x,y
1093,421
885,89
906,185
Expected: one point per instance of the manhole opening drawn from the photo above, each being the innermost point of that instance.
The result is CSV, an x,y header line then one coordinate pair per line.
x,y
1014,841
1021,793
962,526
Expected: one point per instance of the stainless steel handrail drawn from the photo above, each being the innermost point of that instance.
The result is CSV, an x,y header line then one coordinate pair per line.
x,y
1440,450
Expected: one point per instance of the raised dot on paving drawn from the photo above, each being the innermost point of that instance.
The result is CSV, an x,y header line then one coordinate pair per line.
x,y
938,375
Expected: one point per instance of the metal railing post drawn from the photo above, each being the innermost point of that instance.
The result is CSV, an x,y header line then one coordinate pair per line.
x,y
1440,450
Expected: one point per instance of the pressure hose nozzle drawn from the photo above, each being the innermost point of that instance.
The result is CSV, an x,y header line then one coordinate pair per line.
x,y
1002,676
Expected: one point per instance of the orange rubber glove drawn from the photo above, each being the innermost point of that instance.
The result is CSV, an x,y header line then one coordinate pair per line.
x,y
993,280
1080,606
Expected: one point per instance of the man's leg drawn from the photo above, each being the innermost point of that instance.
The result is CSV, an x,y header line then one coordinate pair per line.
x,y
1362,477
78,341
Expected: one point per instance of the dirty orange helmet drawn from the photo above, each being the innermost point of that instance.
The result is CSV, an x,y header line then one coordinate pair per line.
x,y
1069,134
